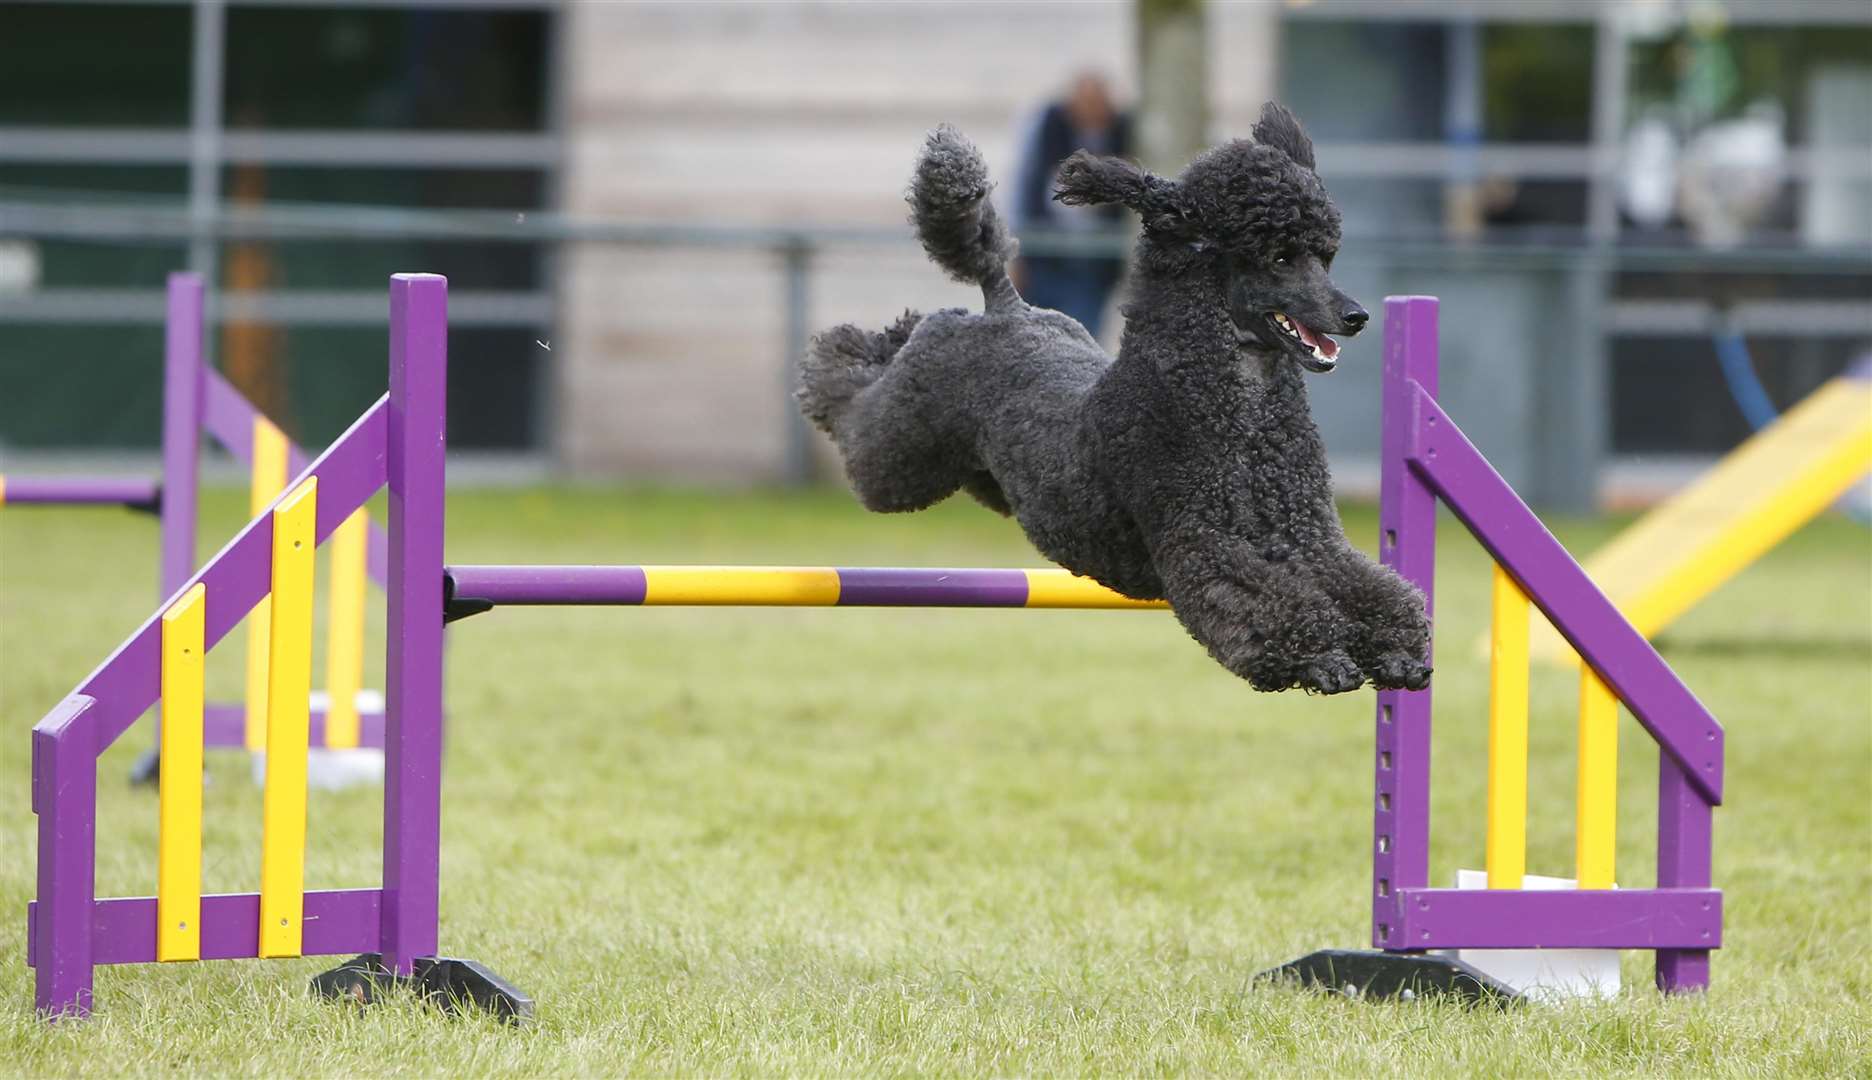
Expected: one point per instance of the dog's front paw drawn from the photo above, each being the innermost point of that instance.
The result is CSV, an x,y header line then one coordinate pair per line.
x,y
1331,673
1399,671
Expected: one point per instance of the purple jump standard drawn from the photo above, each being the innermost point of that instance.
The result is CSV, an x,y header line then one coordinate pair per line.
x,y
1427,458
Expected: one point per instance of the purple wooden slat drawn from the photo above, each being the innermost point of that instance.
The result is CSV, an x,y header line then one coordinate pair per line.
x,y
557,585
888,587
64,795
336,921
1683,861
229,417
130,681
1407,544
225,725
181,431
82,490
417,474
1504,525
1560,918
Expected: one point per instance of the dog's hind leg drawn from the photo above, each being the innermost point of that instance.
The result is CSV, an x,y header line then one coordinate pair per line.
x,y
899,454
843,361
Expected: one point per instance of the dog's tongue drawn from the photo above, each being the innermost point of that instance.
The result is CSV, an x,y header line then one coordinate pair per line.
x,y
1324,345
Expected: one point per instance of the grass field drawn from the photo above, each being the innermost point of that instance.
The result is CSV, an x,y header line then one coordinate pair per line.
x,y
824,842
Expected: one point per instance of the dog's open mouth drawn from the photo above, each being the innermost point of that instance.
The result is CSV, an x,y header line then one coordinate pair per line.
x,y
1316,351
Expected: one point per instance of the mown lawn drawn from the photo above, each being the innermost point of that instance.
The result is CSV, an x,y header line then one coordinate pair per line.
x,y
982,843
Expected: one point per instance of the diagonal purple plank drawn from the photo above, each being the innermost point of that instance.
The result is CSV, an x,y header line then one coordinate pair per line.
x,y
229,417
237,577
1451,464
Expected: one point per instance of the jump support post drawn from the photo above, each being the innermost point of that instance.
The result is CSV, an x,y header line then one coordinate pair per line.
x,y
399,442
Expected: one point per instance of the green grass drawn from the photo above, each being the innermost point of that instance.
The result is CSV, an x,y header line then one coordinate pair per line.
x,y
823,842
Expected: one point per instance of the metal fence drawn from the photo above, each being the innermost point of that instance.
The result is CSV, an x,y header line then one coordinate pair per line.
x,y
1562,371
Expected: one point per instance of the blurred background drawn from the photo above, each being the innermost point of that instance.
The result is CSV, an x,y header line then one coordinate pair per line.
x,y
644,208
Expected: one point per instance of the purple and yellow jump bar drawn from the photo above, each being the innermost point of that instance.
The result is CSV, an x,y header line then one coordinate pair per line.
x,y
476,588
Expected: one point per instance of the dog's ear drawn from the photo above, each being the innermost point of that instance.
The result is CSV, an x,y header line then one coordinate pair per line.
x,y
1280,128
1088,180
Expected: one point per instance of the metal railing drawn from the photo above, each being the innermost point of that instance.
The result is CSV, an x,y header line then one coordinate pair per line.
x,y
795,250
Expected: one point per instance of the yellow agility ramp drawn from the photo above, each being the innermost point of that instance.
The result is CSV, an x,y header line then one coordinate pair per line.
x,y
1771,485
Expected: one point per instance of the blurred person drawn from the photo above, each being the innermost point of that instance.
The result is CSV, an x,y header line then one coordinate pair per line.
x,y
1085,119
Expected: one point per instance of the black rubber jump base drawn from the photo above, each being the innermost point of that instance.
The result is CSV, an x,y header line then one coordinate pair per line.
x,y
453,985
1392,976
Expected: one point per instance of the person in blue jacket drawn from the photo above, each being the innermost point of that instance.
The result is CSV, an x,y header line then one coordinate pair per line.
x,y
1085,119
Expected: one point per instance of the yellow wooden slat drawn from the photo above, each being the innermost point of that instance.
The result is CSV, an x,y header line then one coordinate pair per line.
x,y
179,781
289,693
344,642
1596,825
1506,843
2,490
268,479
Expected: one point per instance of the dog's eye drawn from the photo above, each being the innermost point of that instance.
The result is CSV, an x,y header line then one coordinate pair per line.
x,y
1280,260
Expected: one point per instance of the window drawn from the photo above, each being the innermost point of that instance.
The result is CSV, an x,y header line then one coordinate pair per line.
x,y
112,65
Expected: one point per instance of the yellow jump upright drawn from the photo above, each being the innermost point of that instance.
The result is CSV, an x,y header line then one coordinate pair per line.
x,y
344,642
1506,843
179,782
289,693
1596,800
268,480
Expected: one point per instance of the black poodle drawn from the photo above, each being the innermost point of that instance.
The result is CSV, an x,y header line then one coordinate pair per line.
x,y
1188,468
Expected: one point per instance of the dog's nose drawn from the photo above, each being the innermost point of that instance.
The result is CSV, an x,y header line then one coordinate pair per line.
x,y
1356,317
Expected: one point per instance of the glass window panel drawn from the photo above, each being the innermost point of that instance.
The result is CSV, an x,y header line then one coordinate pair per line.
x,y
113,65
1359,80
92,183
368,264
328,67
1706,70
1668,395
1537,82
93,264
433,189
80,385
333,373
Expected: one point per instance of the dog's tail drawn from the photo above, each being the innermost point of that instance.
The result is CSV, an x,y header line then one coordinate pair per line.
x,y
842,361
955,220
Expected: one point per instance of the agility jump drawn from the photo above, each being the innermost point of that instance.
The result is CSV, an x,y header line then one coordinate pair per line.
x,y
198,401
399,442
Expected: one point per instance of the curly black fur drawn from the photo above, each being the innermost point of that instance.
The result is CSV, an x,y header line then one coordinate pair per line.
x,y
1188,468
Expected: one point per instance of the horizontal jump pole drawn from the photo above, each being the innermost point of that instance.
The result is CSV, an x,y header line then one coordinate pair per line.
x,y
471,589
138,494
